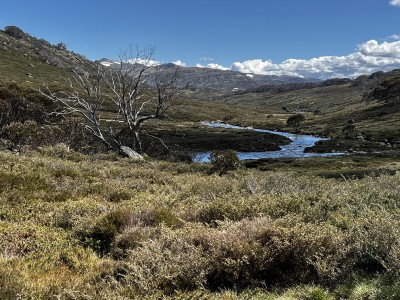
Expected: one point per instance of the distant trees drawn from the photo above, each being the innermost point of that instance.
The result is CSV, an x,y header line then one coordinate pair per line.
x,y
295,121
121,92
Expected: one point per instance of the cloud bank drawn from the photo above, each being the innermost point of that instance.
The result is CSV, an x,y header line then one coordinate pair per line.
x,y
395,3
369,57
150,63
179,63
213,66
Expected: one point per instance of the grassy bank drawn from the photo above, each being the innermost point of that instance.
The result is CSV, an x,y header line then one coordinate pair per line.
x,y
102,227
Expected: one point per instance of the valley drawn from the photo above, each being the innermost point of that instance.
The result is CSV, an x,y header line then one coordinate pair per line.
x,y
79,219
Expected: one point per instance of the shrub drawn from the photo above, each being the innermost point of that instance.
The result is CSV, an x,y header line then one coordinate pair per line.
x,y
103,233
377,237
5,112
14,31
11,283
19,105
295,121
167,264
30,134
132,238
349,131
158,216
223,161
61,46
119,195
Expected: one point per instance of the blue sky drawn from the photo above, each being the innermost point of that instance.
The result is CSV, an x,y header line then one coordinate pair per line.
x,y
250,36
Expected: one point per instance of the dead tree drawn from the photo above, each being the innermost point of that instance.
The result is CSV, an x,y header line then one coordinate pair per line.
x,y
127,96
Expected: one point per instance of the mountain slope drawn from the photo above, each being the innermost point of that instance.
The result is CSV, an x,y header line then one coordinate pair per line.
x,y
31,61
370,102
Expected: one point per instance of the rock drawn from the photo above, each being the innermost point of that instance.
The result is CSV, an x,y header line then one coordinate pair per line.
x,y
128,152
360,138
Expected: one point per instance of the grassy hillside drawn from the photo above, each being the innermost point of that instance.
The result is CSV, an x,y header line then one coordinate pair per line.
x,y
371,103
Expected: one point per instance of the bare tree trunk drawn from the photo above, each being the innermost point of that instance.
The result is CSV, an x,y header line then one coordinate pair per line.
x,y
122,87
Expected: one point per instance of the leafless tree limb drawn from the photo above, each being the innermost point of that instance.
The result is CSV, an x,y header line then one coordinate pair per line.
x,y
123,87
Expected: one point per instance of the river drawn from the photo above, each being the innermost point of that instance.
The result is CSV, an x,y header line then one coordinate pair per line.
x,y
294,150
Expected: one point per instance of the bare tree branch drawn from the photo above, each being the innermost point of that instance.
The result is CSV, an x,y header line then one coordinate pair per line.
x,y
123,87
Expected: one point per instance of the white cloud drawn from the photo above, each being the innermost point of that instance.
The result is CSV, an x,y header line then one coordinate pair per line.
x,y
213,66
216,66
394,37
395,3
150,63
205,58
370,57
179,63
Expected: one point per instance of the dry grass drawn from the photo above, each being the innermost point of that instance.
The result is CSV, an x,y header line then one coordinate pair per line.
x,y
87,227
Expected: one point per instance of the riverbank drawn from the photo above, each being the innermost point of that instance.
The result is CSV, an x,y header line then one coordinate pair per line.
x,y
195,137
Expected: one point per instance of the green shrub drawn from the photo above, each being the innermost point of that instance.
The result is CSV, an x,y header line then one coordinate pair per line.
x,y
167,264
11,283
19,105
223,161
119,195
157,216
132,238
31,134
103,233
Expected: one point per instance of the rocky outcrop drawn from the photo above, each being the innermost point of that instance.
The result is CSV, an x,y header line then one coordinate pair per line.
x,y
130,153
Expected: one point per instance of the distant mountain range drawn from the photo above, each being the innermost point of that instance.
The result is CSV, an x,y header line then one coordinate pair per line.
x,y
205,78
25,58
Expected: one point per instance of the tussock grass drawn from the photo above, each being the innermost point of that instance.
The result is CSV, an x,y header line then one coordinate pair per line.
x,y
102,227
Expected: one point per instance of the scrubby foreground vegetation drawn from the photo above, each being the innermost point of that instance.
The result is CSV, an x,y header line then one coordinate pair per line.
x,y
78,222
103,227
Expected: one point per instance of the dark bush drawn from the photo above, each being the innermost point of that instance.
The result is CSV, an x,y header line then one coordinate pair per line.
x,y
31,134
131,239
295,120
19,105
11,283
119,195
61,46
103,233
5,113
14,31
158,216
349,131
223,161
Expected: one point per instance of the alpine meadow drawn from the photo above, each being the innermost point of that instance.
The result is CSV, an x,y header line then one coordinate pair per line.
x,y
136,177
